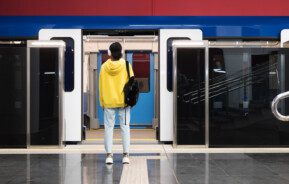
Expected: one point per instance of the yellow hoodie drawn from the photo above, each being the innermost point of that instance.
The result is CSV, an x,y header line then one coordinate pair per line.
x,y
113,76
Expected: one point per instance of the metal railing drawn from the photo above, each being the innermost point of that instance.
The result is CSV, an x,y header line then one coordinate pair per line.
x,y
274,106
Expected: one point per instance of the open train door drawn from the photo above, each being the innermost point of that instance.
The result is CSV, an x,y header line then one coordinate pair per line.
x,y
166,38
72,98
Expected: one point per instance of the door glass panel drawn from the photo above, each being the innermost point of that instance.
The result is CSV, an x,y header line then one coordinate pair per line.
x,y
104,56
170,61
44,106
141,68
13,96
243,83
190,96
68,64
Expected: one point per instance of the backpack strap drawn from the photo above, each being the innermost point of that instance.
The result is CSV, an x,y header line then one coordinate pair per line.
x,y
127,68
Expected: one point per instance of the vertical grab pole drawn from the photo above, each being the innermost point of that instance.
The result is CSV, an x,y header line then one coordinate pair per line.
x,y
206,95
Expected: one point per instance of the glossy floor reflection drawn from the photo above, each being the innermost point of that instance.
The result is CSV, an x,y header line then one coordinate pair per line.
x,y
146,168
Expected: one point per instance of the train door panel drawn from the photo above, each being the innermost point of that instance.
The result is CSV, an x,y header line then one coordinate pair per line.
x,y
143,67
102,57
166,94
72,104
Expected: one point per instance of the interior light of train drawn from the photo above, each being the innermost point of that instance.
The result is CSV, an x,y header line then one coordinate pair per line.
x,y
17,42
188,43
11,42
49,43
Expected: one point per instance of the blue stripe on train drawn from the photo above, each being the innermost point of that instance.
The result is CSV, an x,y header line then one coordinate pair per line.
x,y
231,26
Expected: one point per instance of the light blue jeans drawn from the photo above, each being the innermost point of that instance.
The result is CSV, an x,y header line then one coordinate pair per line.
x,y
109,121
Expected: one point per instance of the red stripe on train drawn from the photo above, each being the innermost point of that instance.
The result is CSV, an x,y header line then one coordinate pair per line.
x,y
146,7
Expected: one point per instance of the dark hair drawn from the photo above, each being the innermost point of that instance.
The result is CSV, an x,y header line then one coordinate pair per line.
x,y
115,49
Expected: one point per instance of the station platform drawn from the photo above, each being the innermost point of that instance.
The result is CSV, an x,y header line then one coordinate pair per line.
x,y
164,167
150,163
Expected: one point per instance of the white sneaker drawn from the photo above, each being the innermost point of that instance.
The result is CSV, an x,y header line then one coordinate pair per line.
x,y
125,159
109,159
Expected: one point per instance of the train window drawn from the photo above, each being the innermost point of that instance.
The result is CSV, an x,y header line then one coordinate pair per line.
x,y
170,61
104,56
141,68
68,64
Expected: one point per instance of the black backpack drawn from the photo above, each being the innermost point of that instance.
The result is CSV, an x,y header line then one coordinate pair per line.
x,y
131,89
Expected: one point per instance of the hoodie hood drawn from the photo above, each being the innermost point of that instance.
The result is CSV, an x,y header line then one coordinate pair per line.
x,y
114,67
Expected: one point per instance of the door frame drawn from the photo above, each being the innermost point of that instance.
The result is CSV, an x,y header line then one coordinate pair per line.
x,y
191,44
166,98
60,45
95,44
72,104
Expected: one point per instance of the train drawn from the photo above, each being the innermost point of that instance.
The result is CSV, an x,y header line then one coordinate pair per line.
x,y
207,75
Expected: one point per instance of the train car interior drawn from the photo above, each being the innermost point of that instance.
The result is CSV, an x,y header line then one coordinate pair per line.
x,y
141,50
